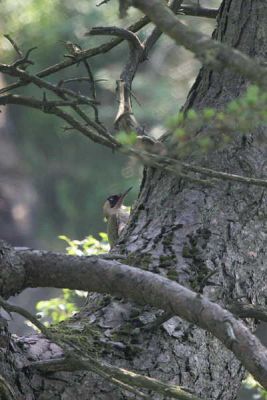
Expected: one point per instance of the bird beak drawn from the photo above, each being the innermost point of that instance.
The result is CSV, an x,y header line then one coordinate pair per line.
x,y
122,196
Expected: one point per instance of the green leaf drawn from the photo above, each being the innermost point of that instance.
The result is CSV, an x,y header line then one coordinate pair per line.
x,y
233,106
126,138
180,133
208,113
205,142
175,120
191,115
252,94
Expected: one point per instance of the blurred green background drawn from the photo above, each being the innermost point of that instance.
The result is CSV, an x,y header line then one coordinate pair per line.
x,y
71,176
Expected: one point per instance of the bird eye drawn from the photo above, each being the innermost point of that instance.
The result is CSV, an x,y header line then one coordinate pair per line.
x,y
113,200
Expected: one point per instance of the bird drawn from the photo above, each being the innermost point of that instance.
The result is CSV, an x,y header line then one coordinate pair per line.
x,y
116,215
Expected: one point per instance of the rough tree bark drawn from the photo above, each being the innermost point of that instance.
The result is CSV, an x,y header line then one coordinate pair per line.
x,y
183,231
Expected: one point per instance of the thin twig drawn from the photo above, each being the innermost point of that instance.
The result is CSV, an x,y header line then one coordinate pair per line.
x,y
102,2
156,161
14,44
29,78
61,92
224,175
41,105
249,311
69,80
23,61
75,51
26,314
125,119
123,33
104,48
91,77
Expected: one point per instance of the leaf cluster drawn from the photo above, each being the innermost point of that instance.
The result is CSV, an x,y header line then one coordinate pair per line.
x,y
60,308
218,127
252,384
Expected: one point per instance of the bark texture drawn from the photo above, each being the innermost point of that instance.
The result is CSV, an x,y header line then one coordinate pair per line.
x,y
222,229
184,232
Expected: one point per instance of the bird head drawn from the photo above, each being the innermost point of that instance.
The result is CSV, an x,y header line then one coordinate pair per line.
x,y
113,203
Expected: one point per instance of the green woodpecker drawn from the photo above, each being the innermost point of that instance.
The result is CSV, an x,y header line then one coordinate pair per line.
x,y
116,215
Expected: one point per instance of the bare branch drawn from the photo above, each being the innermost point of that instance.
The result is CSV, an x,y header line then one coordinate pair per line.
x,y
180,168
249,311
91,77
125,34
199,11
102,2
14,44
125,119
23,61
156,33
104,48
50,108
43,105
210,52
78,79
225,176
10,308
75,50
147,158
29,78
61,92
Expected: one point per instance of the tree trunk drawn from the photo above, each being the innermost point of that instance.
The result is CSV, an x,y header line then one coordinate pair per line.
x,y
183,231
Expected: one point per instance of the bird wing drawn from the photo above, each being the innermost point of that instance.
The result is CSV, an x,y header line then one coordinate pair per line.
x,y
123,217
113,230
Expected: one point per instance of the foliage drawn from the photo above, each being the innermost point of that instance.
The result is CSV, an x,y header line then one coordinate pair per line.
x,y
240,116
57,309
60,308
250,383
126,138
88,246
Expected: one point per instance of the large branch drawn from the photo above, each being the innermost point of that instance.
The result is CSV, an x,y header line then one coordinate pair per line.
x,y
210,52
28,268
